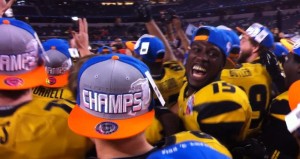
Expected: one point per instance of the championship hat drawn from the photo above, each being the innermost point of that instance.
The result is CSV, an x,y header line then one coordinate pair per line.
x,y
150,48
235,41
21,66
280,50
260,34
215,36
292,44
105,50
114,99
58,62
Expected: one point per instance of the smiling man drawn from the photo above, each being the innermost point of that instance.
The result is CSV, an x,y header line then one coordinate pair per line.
x,y
205,102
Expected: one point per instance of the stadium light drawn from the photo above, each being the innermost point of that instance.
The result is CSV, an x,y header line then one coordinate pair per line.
x,y
75,18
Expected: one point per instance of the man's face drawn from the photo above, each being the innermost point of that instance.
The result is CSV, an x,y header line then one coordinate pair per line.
x,y
290,67
246,49
204,64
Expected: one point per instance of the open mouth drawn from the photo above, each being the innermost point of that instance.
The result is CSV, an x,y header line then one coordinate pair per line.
x,y
198,71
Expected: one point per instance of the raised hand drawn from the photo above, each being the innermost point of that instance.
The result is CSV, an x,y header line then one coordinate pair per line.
x,y
143,11
4,6
81,38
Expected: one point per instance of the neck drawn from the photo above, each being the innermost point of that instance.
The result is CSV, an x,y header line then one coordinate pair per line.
x,y
5,101
128,147
252,57
191,89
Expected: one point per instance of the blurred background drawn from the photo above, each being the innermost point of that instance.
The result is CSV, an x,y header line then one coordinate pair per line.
x,y
111,19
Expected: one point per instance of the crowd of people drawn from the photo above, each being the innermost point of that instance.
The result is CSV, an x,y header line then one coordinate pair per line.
x,y
218,93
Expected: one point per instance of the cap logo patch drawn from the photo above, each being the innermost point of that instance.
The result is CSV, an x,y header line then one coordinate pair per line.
x,y
259,34
106,128
51,80
136,100
56,71
144,48
201,37
10,63
65,66
53,47
13,81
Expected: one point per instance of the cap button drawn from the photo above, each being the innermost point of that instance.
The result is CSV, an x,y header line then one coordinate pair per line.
x,y
6,21
115,57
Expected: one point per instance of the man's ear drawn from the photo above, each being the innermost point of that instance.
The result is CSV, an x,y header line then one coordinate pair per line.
x,y
255,48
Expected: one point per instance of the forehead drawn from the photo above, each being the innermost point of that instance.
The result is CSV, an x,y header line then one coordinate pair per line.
x,y
245,37
205,44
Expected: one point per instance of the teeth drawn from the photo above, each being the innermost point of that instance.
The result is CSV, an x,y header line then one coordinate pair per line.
x,y
199,68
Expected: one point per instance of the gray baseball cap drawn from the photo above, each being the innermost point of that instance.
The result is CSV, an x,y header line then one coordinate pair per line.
x,y
19,56
114,98
58,62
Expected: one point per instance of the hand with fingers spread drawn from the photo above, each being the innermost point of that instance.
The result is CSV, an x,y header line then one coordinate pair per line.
x,y
81,38
4,6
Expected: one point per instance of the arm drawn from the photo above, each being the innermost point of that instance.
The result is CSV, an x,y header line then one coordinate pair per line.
x,y
144,13
153,29
81,38
184,39
170,31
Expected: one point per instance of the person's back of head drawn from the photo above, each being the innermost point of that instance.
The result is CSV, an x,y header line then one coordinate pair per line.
x,y
292,63
20,60
235,48
235,41
150,48
280,51
57,61
104,50
114,99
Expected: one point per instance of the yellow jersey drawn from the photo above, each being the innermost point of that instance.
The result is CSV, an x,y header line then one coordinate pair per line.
x,y
39,130
256,82
169,85
219,109
279,142
52,93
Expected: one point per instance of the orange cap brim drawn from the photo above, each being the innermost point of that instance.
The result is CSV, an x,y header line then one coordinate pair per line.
x,y
294,95
85,124
27,80
56,81
130,45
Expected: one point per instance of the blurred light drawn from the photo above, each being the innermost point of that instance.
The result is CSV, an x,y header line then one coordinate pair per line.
x,y
9,12
128,3
21,2
75,18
